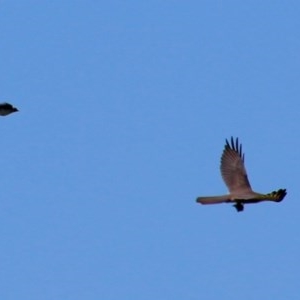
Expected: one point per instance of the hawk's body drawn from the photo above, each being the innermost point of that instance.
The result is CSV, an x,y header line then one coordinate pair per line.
x,y
235,177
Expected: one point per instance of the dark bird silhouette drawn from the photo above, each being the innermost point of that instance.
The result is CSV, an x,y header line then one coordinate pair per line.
x,y
6,109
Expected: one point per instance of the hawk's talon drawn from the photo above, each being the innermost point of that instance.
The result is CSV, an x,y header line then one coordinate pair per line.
x,y
239,206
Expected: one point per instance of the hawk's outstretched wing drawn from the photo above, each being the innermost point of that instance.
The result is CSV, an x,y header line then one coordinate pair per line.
x,y
232,168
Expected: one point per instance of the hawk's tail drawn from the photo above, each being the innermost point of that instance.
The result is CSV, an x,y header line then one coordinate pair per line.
x,y
213,199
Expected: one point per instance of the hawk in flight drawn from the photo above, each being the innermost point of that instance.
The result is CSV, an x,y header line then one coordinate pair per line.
x,y
6,109
235,177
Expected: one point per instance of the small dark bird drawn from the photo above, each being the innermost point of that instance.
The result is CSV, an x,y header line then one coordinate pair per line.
x,y
6,109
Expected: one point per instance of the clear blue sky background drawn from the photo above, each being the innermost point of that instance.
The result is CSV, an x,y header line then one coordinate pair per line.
x,y
124,111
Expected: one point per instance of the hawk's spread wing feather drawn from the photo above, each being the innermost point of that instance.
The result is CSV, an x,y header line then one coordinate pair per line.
x,y
232,168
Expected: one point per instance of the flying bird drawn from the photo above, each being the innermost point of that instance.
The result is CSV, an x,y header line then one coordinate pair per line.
x,y
234,174
6,109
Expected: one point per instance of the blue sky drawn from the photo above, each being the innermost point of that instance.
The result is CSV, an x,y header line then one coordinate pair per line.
x,y
124,110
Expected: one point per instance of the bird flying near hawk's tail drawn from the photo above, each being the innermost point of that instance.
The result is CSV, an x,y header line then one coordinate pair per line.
x,y
6,109
234,174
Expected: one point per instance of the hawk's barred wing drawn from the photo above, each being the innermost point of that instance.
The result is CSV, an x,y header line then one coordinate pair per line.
x,y
232,168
